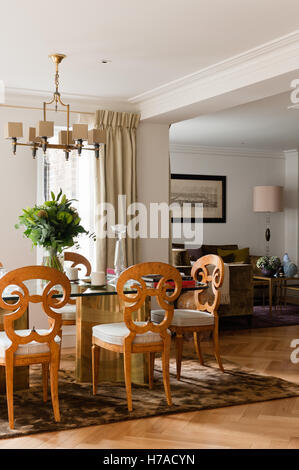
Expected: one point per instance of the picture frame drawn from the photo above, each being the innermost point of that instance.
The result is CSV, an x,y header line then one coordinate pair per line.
x,y
210,190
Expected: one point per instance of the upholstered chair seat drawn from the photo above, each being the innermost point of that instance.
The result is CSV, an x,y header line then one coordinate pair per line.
x,y
68,313
185,317
115,333
30,348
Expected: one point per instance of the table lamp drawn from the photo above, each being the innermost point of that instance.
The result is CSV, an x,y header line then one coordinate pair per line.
x,y
267,199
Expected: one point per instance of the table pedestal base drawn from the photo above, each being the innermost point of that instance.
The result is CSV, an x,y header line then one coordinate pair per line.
x,y
95,310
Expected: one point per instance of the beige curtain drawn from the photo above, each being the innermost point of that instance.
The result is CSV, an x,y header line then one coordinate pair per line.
x,y
115,174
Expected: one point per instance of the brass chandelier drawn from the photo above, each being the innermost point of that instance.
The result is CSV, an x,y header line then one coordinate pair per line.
x,y
69,140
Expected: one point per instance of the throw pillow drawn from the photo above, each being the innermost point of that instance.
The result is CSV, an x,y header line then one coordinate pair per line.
x,y
228,258
241,255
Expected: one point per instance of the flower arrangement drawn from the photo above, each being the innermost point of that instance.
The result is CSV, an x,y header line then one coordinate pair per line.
x,y
53,225
268,264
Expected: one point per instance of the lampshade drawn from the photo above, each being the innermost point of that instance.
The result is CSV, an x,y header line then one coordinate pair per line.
x,y
267,198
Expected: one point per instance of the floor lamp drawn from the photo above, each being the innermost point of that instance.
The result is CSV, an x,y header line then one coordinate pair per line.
x,y
267,199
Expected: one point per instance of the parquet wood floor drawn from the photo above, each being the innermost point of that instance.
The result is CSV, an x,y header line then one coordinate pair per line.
x,y
268,425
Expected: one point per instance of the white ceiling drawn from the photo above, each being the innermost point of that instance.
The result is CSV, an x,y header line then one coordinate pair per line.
x,y
263,124
150,43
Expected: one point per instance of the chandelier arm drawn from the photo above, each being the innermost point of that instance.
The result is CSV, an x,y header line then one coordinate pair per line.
x,y
61,102
56,146
45,103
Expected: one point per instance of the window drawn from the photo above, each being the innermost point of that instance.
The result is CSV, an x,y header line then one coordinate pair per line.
x,y
75,178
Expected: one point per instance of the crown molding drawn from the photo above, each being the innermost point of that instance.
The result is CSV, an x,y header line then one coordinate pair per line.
x,y
259,65
202,150
291,153
269,60
83,103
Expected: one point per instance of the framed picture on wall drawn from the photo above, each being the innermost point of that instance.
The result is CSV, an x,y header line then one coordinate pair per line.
x,y
205,189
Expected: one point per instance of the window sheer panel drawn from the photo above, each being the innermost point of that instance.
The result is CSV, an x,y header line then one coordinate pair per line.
x,y
74,177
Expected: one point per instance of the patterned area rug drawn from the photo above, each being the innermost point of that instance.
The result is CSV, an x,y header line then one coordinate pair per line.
x,y
284,316
201,387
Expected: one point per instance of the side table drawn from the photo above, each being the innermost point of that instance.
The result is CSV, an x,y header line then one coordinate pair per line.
x,y
280,283
273,282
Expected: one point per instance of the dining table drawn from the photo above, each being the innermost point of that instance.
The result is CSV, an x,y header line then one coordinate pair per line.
x,y
94,306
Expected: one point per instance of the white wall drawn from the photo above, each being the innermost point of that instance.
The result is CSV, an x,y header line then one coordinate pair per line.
x,y
18,189
291,202
153,182
243,172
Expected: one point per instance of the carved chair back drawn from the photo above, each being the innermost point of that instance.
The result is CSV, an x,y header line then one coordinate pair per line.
x,y
78,259
16,278
165,299
209,270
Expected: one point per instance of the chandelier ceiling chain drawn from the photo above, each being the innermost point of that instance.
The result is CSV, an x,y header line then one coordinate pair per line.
x,y
68,140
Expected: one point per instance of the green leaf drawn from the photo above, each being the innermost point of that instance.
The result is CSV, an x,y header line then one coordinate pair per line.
x,y
59,194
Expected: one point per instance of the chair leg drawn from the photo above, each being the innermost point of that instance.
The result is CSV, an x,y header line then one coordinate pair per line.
x,y
95,350
179,352
165,368
54,366
127,369
9,389
60,347
45,368
197,347
151,364
216,346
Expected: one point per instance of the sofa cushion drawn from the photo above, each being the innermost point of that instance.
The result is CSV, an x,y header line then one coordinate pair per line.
x,y
228,258
196,253
240,256
212,249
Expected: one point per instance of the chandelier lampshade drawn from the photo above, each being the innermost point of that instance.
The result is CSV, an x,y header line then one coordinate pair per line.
x,y
68,140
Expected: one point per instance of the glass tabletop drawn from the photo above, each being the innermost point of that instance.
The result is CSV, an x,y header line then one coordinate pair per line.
x,y
79,289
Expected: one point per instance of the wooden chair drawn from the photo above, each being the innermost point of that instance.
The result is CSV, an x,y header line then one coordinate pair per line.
x,y
131,337
68,313
78,259
25,347
205,317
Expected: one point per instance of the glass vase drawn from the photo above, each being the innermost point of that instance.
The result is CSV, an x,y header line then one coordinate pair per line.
x,y
119,259
52,260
